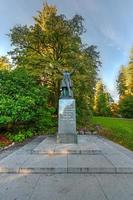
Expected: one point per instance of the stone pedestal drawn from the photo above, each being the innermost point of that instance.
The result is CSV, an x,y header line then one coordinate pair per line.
x,y
67,121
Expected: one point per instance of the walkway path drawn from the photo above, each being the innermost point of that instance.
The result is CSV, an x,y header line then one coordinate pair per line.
x,y
95,169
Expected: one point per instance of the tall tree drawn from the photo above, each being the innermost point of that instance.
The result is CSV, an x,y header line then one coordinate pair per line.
x,y
53,45
102,100
126,106
125,79
129,81
121,81
125,88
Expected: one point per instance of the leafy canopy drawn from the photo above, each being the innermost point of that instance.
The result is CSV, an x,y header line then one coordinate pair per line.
x,y
53,45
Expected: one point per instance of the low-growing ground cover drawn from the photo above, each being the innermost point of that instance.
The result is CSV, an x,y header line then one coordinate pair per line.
x,y
117,129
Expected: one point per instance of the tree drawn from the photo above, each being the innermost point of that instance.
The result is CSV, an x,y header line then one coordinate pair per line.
x,y
125,88
129,81
126,107
121,81
114,109
125,79
4,63
53,45
102,100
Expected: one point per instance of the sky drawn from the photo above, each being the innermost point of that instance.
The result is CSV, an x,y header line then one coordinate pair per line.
x,y
108,23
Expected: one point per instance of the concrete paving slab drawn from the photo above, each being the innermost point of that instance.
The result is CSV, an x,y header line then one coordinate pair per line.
x,y
119,148
46,164
34,143
114,187
67,148
120,160
13,161
46,146
127,181
90,148
17,186
68,187
89,164
105,147
5,153
83,139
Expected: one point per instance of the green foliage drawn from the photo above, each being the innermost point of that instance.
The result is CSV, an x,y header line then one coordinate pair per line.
x,y
114,109
20,136
28,133
125,79
126,107
116,129
125,88
53,45
23,101
4,63
102,100
121,81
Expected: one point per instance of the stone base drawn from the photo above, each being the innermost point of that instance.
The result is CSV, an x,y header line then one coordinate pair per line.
x,y
67,122
67,138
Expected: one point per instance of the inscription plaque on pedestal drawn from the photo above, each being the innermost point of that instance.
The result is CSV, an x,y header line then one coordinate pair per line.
x,y
67,121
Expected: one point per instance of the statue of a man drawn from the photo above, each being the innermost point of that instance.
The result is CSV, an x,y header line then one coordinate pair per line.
x,y
66,86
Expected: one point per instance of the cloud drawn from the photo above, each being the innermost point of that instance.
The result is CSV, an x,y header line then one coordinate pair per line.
x,y
108,32
107,24
87,5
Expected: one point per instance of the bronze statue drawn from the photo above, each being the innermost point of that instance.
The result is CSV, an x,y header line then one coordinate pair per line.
x,y
66,86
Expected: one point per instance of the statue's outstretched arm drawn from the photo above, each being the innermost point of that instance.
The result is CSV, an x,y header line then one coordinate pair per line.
x,y
73,71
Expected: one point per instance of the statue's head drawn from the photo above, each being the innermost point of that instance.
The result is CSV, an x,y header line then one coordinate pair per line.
x,y
66,74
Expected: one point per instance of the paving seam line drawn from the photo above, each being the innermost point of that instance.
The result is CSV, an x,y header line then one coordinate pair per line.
x,y
110,162
106,197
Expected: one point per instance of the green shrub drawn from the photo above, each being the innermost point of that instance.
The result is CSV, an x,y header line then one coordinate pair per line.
x,y
23,103
28,134
126,107
20,136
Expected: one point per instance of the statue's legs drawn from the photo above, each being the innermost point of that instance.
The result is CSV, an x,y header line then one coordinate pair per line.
x,y
64,92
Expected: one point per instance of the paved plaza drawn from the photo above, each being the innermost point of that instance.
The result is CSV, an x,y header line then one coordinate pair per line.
x,y
94,169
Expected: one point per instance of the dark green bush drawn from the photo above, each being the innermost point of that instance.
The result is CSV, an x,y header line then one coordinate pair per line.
x,y
126,107
23,103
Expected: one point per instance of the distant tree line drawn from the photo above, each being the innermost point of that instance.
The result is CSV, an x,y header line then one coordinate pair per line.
x,y
104,105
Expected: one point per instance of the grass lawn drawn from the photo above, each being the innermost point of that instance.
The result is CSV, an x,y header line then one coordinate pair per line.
x,y
116,129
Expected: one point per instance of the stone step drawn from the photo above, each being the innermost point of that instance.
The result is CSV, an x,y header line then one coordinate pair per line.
x,y
70,163
76,170
50,147
69,151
